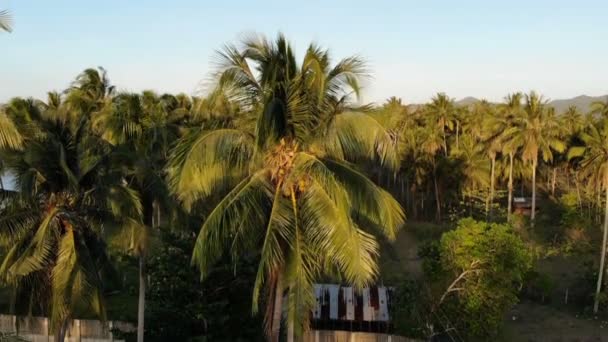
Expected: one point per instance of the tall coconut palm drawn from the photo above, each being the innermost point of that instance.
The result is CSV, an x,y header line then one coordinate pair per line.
x,y
572,121
67,189
141,128
539,135
6,21
475,165
295,196
443,110
491,136
506,121
430,140
594,163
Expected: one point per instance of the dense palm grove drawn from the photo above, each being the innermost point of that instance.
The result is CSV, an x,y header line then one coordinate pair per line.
x,y
279,178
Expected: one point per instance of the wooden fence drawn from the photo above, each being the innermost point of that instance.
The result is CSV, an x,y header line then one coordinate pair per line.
x,y
350,336
36,329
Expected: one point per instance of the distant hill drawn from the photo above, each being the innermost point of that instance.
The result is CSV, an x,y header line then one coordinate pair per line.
x,y
469,100
582,102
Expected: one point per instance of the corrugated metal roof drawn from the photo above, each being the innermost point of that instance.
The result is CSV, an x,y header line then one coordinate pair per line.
x,y
342,303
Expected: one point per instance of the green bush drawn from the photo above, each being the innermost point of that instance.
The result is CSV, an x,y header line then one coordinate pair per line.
x,y
483,267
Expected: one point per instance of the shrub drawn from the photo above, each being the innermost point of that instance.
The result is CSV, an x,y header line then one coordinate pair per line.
x,y
484,266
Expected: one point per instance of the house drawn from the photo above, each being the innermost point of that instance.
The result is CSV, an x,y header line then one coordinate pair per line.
x,y
342,308
523,205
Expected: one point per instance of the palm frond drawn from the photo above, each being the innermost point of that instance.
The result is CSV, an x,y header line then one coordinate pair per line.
x,y
6,21
358,137
204,161
341,242
9,135
39,250
236,217
367,199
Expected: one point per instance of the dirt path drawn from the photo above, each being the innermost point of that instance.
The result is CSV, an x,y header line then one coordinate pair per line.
x,y
402,256
529,322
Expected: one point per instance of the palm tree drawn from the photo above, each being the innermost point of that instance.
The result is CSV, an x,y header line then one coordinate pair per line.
x,y
510,113
491,136
67,189
538,134
142,127
6,21
572,121
295,197
594,163
474,165
430,140
600,108
414,161
443,110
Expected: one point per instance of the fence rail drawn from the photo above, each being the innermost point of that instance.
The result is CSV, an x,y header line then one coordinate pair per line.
x,y
350,336
36,329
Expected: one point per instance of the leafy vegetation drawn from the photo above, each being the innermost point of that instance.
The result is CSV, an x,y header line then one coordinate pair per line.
x,y
279,178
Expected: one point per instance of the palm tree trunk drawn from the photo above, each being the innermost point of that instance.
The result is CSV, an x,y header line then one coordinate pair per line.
x,y
603,256
141,305
533,214
275,327
60,333
156,214
445,143
491,195
599,206
578,191
414,202
510,199
457,135
290,332
553,181
437,201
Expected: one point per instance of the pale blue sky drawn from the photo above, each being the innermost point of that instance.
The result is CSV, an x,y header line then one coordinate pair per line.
x,y
415,48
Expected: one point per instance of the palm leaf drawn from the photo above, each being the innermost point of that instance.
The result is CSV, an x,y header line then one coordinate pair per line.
x,y
205,161
6,21
359,137
9,135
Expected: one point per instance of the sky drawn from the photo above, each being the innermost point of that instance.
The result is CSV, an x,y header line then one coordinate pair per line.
x,y
414,49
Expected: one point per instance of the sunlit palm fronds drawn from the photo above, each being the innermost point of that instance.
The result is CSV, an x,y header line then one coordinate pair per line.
x,y
67,188
292,193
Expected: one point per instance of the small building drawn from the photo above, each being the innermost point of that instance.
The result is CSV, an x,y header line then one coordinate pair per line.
x,y
342,308
523,205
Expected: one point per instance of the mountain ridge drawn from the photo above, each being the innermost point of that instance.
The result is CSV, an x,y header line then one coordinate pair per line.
x,y
582,102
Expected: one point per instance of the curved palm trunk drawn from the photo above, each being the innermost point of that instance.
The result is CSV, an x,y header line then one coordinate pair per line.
x,y
141,305
533,214
602,258
510,197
